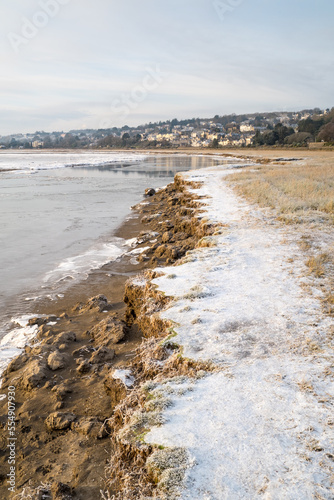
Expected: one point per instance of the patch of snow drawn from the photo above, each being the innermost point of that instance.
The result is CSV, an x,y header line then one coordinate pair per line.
x,y
132,242
262,427
139,281
15,340
250,436
138,251
125,376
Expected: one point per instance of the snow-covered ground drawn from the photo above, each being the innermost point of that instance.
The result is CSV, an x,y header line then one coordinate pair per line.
x,y
263,425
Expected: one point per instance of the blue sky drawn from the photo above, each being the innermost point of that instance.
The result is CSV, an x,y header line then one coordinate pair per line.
x,y
83,64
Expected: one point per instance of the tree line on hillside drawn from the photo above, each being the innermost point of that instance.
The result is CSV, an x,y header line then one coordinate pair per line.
x,y
319,128
128,141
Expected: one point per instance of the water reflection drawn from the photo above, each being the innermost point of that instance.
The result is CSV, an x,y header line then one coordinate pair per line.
x,y
157,166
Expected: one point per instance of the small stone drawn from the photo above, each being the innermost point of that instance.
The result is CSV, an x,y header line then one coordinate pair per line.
x,y
150,192
61,391
166,237
108,330
17,363
59,421
56,361
82,352
99,302
36,321
174,253
34,374
43,331
65,338
160,250
42,350
102,355
84,367
85,425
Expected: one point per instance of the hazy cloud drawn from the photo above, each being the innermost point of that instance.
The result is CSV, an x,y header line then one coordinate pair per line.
x,y
84,55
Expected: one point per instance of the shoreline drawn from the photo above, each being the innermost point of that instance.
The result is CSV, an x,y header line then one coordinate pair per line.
x,y
171,339
80,340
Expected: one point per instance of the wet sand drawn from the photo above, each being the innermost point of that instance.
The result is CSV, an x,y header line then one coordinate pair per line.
x,y
64,392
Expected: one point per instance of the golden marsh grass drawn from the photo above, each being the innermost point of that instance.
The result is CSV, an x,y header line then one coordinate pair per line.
x,y
298,194
291,190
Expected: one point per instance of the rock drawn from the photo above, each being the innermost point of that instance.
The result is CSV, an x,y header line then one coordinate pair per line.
x,y
90,426
83,366
110,330
56,360
100,303
150,192
34,374
41,321
145,236
43,331
83,426
17,363
42,350
160,250
59,421
61,391
167,225
174,253
65,338
83,351
36,321
102,355
166,237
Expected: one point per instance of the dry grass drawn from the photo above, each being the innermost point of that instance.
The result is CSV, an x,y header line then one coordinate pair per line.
x,y
305,243
156,360
298,195
317,264
293,190
329,303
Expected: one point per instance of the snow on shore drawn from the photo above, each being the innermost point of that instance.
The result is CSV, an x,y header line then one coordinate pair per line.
x,y
263,426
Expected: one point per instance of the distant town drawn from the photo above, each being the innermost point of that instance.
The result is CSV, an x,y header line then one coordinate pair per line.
x,y
294,129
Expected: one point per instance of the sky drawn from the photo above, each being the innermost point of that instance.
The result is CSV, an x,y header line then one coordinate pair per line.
x,y
76,64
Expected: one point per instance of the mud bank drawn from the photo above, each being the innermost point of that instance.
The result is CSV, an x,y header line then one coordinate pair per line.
x,y
73,389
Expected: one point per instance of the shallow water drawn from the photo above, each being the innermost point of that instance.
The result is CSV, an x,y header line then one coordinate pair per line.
x,y
58,214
